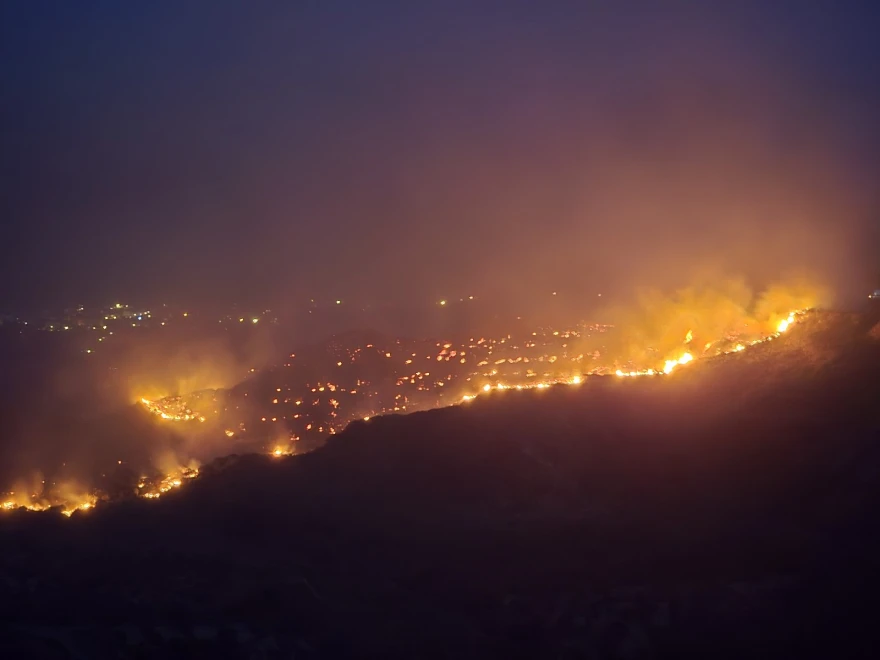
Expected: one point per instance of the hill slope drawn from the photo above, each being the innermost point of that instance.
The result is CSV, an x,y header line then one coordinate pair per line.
x,y
726,510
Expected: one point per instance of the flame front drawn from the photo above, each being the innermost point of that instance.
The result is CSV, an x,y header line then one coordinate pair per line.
x,y
172,409
785,323
565,370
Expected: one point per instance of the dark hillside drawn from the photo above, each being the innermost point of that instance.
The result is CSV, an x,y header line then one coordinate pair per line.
x,y
725,511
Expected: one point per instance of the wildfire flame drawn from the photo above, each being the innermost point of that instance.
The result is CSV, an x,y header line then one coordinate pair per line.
x,y
67,504
171,409
669,365
175,409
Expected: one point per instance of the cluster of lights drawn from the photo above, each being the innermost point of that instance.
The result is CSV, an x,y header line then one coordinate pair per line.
x,y
172,409
120,316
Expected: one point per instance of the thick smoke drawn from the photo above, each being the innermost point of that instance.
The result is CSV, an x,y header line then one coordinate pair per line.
x,y
708,150
69,418
157,370
699,318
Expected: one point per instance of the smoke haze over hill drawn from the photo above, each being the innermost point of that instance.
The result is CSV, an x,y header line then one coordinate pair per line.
x,y
439,154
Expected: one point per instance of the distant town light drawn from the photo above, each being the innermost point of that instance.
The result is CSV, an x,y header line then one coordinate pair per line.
x,y
442,302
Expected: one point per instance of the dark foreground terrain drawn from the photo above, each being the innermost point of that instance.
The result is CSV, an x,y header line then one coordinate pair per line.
x,y
726,511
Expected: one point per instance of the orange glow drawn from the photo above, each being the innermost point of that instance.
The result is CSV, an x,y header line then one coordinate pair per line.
x,y
509,364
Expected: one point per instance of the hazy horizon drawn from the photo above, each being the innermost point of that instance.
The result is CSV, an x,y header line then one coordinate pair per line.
x,y
397,153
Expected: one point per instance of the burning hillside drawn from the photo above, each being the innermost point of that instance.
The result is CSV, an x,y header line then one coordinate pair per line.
x,y
294,405
320,392
626,508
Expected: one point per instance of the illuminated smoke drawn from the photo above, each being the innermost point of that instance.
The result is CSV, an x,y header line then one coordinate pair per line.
x,y
704,320
659,335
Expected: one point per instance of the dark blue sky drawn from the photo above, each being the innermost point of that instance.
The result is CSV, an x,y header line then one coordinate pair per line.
x,y
410,150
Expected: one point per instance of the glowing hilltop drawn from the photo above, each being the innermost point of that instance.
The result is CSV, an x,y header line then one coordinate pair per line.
x,y
544,358
63,498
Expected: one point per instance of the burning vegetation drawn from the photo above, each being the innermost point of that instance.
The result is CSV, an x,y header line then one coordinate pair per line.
x,y
292,407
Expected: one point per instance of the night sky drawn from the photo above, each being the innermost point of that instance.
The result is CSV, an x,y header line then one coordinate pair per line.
x,y
406,151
